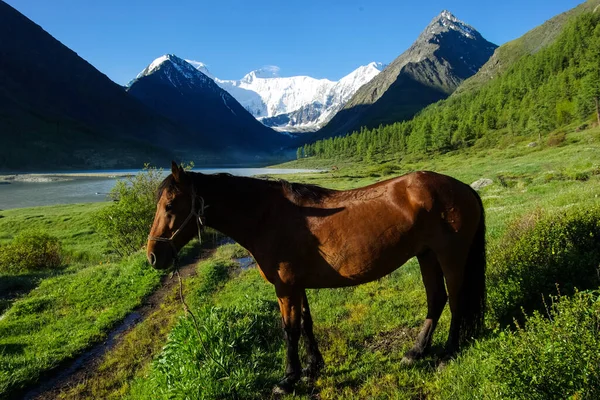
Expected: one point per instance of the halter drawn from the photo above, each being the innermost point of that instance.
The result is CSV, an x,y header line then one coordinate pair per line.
x,y
193,213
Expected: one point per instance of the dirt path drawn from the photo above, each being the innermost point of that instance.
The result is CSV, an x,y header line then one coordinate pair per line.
x,y
80,370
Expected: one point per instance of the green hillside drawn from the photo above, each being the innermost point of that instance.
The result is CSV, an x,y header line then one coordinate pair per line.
x,y
542,92
530,43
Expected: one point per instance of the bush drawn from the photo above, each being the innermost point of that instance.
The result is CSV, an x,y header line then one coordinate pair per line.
x,y
556,139
127,222
30,251
538,252
552,358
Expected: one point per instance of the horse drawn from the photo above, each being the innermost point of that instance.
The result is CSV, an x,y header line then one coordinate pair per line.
x,y
306,236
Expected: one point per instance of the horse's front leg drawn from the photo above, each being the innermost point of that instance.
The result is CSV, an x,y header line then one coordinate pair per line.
x,y
290,304
315,359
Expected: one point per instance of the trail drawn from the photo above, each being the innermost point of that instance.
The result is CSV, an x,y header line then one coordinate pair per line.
x,y
86,365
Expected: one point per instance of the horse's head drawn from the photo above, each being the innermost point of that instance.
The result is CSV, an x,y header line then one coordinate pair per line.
x,y
176,221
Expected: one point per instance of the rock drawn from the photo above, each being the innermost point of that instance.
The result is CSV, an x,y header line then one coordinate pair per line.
x,y
481,183
532,144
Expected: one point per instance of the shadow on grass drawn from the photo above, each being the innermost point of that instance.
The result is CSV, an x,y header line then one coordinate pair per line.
x,y
12,348
14,286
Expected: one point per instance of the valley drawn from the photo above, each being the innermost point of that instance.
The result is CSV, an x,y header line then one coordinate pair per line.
x,y
519,122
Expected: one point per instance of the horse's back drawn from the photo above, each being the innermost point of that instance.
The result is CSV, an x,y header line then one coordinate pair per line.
x,y
377,228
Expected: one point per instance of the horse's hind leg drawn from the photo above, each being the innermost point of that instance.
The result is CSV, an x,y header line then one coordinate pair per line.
x,y
315,359
290,304
453,266
433,279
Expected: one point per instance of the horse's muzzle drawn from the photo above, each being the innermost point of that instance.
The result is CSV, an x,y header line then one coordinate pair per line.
x,y
152,259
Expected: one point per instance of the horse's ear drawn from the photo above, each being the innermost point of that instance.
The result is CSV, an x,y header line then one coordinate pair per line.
x,y
175,171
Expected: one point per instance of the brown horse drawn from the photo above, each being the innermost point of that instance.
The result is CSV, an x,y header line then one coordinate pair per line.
x,y
305,236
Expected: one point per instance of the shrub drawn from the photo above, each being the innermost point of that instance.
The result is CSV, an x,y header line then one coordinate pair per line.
x,y
126,223
551,358
556,139
538,252
30,251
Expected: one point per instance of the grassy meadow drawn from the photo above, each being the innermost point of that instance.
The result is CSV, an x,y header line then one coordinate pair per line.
x,y
543,213
364,331
52,316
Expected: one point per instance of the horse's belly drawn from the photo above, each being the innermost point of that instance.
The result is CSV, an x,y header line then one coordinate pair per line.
x,y
357,268
363,248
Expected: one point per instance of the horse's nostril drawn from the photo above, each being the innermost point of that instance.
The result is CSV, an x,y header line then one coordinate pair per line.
x,y
152,259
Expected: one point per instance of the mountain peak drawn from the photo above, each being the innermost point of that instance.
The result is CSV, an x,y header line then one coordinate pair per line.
x,y
176,70
377,65
448,15
158,63
268,71
447,21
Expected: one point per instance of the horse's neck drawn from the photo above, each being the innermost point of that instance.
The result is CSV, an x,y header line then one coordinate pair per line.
x,y
237,206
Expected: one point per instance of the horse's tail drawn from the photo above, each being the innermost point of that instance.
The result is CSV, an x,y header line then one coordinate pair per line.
x,y
473,294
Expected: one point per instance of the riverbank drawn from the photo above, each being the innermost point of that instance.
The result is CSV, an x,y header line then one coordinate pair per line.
x,y
53,188
59,177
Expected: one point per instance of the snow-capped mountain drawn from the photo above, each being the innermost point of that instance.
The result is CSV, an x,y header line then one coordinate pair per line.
x,y
297,103
183,93
178,72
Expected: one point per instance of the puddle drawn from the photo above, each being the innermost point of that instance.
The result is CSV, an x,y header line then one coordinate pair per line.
x,y
245,262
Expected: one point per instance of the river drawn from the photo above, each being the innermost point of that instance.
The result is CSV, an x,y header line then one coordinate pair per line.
x,y
86,189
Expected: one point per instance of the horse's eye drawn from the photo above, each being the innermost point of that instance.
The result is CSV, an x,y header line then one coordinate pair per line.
x,y
169,207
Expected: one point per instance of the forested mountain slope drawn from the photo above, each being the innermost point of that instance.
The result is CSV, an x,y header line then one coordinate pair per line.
x,y
530,43
538,93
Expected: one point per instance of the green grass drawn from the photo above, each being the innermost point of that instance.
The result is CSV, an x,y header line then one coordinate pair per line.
x,y
132,355
217,345
69,223
554,357
65,314
52,316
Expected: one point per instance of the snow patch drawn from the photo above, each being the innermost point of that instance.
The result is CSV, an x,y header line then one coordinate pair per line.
x,y
447,20
305,102
225,102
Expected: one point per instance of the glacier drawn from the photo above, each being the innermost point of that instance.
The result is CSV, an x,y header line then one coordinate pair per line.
x,y
293,104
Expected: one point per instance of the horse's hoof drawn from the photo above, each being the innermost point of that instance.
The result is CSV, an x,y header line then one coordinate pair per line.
x,y
442,365
280,390
411,356
407,361
286,386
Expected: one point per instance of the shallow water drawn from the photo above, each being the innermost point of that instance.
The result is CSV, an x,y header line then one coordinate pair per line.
x,y
93,189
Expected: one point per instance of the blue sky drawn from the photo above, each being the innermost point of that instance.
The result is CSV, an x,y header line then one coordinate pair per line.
x,y
324,39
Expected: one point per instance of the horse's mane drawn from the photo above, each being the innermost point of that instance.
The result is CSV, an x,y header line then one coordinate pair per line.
x,y
302,191
297,192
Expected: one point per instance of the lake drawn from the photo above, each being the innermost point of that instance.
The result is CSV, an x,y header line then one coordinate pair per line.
x,y
85,189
